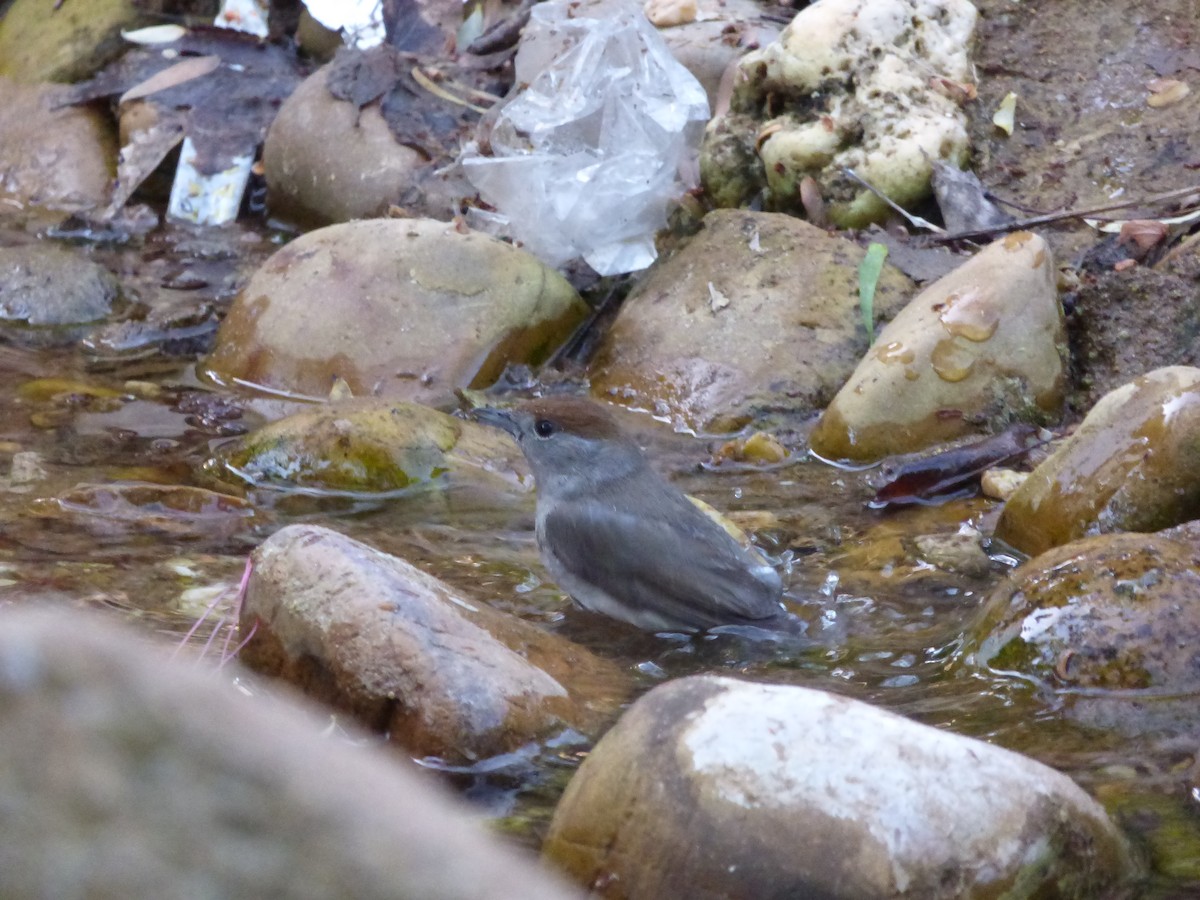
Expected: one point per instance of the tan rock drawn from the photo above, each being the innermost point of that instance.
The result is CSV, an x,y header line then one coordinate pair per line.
x,y
59,158
127,775
976,349
759,311
714,788
442,674
327,161
401,308
1133,464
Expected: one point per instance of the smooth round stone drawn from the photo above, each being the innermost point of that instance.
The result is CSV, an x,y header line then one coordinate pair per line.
x,y
714,788
439,672
751,315
128,773
326,160
981,346
1133,464
401,308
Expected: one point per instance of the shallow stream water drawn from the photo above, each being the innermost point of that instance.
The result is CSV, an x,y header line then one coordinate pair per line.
x,y
888,626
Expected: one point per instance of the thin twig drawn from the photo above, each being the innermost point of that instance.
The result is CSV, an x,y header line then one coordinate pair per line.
x,y
914,220
1061,215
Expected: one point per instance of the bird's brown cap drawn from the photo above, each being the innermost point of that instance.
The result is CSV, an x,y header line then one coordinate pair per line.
x,y
574,414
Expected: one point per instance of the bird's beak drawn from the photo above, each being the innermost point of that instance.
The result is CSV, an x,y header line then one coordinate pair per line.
x,y
497,418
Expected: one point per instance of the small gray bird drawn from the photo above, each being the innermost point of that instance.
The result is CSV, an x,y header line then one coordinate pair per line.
x,y
624,542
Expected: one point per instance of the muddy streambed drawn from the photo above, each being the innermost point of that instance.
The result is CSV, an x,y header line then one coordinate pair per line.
x,y
889,610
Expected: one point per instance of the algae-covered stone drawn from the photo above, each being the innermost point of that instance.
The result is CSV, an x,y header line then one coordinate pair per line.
x,y
401,308
758,312
978,348
859,84
370,445
710,788
1110,621
1132,465
48,41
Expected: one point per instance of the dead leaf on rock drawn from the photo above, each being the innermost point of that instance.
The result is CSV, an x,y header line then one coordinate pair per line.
x,y
1166,91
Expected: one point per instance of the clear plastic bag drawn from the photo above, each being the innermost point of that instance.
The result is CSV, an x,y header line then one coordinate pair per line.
x,y
586,159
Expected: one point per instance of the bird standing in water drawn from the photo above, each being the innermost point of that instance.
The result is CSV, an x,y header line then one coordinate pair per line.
x,y
624,542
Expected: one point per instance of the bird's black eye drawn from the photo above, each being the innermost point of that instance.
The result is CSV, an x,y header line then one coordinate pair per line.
x,y
543,428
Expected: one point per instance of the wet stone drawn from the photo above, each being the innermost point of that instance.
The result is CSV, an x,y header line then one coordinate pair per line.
x,y
1133,464
977,349
41,284
326,160
440,673
713,788
406,309
754,313
371,446
1110,625
58,158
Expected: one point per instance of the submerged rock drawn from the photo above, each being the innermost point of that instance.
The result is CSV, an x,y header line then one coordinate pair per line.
x,y
371,445
1133,464
714,788
870,85
400,308
442,674
48,285
978,348
127,775
1111,623
758,311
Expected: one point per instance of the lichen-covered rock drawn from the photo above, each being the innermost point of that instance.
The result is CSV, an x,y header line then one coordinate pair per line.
x,y
1112,622
862,84
371,445
975,350
326,160
61,158
759,311
714,788
401,308
1133,464
127,774
440,673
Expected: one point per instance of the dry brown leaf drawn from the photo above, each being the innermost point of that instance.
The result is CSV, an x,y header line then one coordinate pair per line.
x,y
184,71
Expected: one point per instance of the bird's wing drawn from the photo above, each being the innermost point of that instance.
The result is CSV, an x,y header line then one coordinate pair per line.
x,y
685,566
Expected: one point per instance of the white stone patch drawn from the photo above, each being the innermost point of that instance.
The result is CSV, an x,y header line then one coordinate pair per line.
x,y
918,792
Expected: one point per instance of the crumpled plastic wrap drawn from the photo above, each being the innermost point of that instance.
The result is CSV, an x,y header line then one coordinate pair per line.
x,y
585,161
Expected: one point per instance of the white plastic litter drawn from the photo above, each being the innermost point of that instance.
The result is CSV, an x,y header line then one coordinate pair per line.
x,y
359,21
586,160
